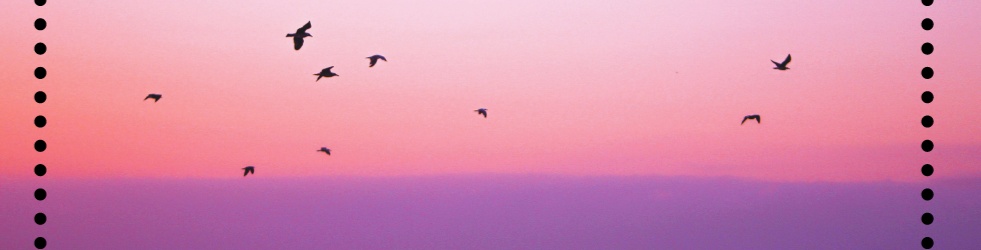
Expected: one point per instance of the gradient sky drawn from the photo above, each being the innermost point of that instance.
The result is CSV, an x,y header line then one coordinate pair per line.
x,y
572,87
611,124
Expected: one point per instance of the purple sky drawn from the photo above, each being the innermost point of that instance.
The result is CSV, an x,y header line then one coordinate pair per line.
x,y
611,124
488,212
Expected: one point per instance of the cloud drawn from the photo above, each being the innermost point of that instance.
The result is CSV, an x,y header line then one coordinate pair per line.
x,y
490,212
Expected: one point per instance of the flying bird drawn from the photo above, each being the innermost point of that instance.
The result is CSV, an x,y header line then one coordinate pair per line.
x,y
783,65
299,35
748,117
374,59
325,73
156,97
325,150
249,169
482,111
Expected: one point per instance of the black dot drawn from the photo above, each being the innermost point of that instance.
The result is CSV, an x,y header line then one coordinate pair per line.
x,y
927,72
927,97
927,121
40,170
40,2
927,218
40,24
40,121
927,145
40,145
927,2
927,170
40,97
927,48
40,218
40,48
927,243
40,72
927,24
927,194
40,194
40,243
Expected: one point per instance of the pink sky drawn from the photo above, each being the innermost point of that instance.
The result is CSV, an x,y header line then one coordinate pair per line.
x,y
611,125
581,88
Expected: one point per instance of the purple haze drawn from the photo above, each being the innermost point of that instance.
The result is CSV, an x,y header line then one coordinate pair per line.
x,y
487,212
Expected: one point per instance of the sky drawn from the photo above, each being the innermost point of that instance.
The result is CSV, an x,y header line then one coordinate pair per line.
x,y
581,88
604,91
489,212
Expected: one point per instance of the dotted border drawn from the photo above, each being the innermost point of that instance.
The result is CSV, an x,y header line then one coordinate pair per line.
x,y
927,122
40,97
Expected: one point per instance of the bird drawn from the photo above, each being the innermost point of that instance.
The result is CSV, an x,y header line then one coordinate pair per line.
x,y
299,35
748,117
249,169
156,97
374,59
325,73
482,111
325,150
783,65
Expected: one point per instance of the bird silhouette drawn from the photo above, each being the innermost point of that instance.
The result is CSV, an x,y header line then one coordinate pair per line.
x,y
325,73
374,59
783,65
156,97
249,169
299,35
748,117
482,111
325,150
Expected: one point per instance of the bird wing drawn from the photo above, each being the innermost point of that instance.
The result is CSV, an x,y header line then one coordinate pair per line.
x,y
744,120
373,61
327,151
297,42
786,61
318,77
757,119
775,63
304,29
147,97
382,57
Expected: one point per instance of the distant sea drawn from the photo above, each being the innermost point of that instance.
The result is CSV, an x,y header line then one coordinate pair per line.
x,y
487,212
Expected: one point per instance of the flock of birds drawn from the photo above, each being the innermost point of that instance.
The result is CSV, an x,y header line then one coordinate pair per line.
x,y
326,72
779,66
298,37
